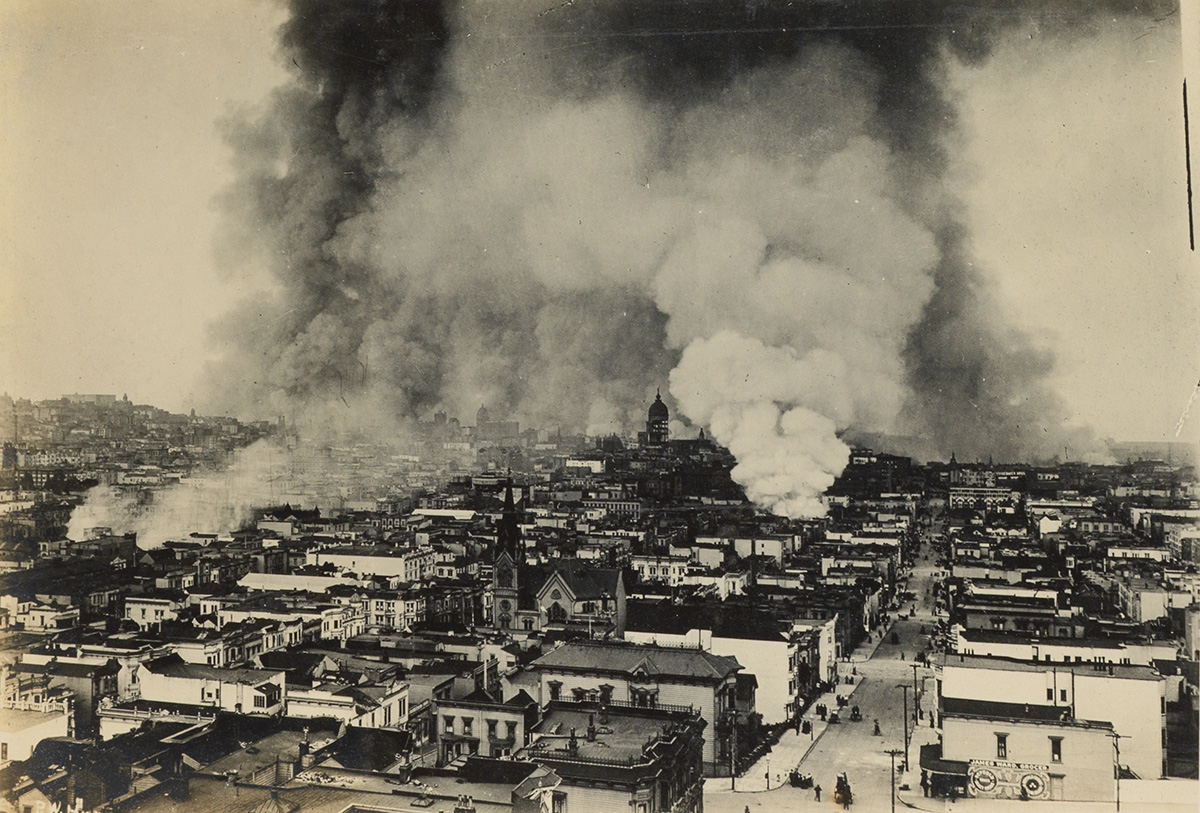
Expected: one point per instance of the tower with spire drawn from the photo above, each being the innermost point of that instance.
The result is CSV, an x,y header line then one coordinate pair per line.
x,y
506,562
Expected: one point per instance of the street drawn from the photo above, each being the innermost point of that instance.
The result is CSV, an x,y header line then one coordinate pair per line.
x,y
884,675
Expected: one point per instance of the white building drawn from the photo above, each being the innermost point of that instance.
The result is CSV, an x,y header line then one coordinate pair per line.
x,y
402,564
1130,698
370,706
243,691
669,570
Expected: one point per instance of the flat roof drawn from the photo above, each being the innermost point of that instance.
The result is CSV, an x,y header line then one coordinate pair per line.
x,y
178,668
19,719
1124,671
619,739
1016,712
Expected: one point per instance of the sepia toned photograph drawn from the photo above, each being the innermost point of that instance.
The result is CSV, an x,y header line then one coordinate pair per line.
x,y
572,406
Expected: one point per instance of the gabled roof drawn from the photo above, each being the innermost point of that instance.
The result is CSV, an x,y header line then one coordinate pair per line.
x,y
583,580
521,698
638,659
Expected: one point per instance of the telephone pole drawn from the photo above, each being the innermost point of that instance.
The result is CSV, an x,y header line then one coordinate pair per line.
x,y
1117,763
733,750
893,753
904,686
916,702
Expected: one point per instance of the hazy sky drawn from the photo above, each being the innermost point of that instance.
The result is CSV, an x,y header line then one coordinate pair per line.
x,y
110,158
1069,163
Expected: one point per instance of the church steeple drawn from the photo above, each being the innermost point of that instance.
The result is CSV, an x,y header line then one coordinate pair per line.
x,y
508,532
506,562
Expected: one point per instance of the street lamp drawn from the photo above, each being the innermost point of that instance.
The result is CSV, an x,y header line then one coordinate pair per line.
x,y
893,753
904,686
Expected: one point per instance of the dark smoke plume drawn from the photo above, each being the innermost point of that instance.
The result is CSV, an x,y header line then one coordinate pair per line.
x,y
548,208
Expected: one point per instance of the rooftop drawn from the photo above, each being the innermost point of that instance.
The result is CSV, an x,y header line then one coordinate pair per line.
x,y
1115,670
620,738
995,710
174,666
612,656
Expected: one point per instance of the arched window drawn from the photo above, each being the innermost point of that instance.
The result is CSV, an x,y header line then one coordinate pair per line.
x,y
505,620
557,612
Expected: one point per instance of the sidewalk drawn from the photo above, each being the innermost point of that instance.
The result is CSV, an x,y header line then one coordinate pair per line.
x,y
792,748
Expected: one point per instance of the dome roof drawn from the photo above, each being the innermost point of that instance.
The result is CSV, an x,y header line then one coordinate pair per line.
x,y
658,409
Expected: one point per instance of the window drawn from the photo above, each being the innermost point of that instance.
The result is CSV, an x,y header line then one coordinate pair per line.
x,y
466,726
260,702
579,695
3,750
491,725
448,723
1001,746
555,689
1049,694
1062,695
1056,749
512,731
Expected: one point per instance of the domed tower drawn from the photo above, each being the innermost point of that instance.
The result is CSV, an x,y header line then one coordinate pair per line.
x,y
657,421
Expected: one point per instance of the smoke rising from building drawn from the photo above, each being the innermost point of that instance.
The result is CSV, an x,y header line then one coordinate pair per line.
x,y
210,503
550,209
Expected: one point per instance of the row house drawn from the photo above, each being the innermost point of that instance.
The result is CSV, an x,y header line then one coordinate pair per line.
x,y
480,724
237,643
669,570
371,705
338,621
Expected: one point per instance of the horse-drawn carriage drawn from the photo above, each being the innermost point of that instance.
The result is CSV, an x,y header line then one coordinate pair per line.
x,y
841,793
800,780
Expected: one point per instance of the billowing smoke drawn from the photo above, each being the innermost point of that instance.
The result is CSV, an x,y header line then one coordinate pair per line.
x,y
211,503
548,208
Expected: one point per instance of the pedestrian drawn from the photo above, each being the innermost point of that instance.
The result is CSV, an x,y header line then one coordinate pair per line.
x,y
747,808
817,790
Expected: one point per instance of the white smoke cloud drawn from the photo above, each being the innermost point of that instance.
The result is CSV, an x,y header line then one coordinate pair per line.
x,y
213,502
762,403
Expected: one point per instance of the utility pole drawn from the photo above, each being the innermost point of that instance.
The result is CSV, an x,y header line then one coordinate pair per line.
x,y
916,700
904,687
893,753
1117,762
733,750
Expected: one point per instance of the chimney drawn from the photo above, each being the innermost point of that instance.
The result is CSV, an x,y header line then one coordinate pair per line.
x,y
591,729
573,743
603,714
